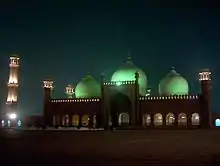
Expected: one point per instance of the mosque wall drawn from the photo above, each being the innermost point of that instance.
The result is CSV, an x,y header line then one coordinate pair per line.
x,y
171,111
65,110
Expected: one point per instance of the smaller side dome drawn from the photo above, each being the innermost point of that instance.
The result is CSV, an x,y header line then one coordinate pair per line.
x,y
173,84
88,87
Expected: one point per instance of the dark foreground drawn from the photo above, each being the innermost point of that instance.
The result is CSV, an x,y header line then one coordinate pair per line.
x,y
192,147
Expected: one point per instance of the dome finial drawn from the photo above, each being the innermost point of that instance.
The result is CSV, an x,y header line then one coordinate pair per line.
x,y
173,71
129,59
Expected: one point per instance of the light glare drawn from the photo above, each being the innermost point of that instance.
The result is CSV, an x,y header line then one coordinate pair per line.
x,y
13,116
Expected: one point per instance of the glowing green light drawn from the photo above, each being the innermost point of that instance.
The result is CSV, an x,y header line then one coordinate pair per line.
x,y
173,84
88,88
127,73
119,83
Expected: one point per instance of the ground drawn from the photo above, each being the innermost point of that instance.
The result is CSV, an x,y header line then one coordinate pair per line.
x,y
172,147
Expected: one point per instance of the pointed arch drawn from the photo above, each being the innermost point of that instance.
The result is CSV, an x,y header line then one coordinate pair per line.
x,y
158,119
120,104
170,119
146,120
182,119
75,120
123,119
85,120
195,119
217,122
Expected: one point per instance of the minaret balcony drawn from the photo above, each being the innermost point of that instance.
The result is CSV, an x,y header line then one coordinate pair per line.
x,y
12,84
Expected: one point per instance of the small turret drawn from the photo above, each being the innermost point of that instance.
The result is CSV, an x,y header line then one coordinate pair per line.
x,y
48,87
69,91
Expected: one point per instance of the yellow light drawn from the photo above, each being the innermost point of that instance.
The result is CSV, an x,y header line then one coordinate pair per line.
x,y
48,84
204,76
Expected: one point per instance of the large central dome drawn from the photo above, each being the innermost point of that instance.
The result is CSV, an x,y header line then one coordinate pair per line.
x,y
127,73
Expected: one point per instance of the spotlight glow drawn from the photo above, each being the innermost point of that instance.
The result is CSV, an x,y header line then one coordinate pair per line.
x,y
13,116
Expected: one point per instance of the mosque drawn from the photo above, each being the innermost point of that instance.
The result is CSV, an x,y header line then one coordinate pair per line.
x,y
126,102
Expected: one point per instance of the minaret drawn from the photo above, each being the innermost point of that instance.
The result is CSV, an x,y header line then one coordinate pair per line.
x,y
69,91
13,83
205,79
48,87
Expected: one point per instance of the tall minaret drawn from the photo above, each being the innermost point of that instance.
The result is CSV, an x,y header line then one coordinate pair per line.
x,y
48,87
205,79
13,84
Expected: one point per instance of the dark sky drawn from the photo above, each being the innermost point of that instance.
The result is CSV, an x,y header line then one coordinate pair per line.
x,y
65,40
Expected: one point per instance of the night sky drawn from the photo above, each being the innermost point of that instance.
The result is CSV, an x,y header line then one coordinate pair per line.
x,y
64,41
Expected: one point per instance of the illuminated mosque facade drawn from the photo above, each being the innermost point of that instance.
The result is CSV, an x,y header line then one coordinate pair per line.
x,y
126,102
123,103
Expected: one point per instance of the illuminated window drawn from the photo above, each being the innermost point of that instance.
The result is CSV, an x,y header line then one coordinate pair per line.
x,y
85,120
158,119
9,123
146,120
3,123
217,122
19,123
195,119
182,119
170,119
75,120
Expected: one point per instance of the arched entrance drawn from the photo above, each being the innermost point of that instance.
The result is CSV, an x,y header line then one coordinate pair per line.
x,y
3,123
170,119
120,109
195,119
123,119
182,119
146,120
75,120
65,120
85,120
158,119
217,122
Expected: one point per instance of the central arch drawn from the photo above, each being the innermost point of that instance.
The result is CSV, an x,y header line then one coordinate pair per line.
x,y
123,119
120,109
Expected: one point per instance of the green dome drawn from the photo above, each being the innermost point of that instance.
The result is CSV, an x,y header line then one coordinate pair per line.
x,y
88,87
127,73
173,84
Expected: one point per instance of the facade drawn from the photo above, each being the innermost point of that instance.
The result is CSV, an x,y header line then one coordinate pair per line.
x,y
126,102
